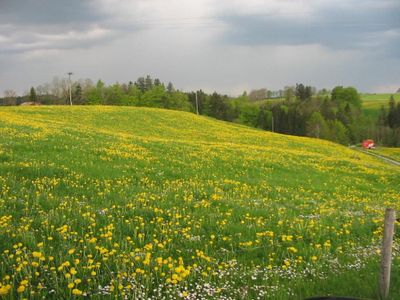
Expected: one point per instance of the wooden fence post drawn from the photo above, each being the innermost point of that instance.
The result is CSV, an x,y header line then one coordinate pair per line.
x,y
386,253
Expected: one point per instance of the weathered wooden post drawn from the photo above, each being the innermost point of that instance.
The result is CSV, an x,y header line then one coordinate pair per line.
x,y
386,253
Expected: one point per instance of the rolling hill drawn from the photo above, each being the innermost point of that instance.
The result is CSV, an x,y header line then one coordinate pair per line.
x,y
157,204
372,103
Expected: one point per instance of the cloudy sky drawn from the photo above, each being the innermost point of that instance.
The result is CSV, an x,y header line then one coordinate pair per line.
x,y
223,45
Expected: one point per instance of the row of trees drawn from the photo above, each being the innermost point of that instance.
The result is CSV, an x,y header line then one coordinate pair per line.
x,y
143,92
84,90
387,130
392,118
336,115
297,110
303,112
54,92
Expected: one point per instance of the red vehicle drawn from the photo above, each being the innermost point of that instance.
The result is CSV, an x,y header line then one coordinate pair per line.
x,y
368,144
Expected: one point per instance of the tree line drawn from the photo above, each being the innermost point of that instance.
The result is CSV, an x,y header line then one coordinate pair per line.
x,y
302,112
297,110
145,91
387,131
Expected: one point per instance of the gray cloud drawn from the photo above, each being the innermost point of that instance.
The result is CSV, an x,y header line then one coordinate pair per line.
x,y
222,45
27,41
48,12
34,25
332,26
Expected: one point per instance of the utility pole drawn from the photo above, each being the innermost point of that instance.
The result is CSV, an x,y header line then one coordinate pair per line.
x,y
272,122
70,88
197,104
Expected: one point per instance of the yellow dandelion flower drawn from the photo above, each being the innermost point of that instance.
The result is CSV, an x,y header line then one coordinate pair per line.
x,y
185,294
36,254
4,289
73,271
76,292
34,264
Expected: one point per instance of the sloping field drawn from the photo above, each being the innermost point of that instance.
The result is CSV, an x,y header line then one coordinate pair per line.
x,y
393,153
372,103
155,204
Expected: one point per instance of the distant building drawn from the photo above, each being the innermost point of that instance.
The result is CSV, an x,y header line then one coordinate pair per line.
x,y
29,104
368,144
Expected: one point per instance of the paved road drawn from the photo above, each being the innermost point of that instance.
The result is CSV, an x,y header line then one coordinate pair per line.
x,y
388,160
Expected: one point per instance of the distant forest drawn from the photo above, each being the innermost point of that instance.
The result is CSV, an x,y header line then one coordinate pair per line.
x,y
297,110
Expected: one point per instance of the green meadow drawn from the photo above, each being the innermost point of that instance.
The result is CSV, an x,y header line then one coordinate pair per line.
x,y
142,203
372,103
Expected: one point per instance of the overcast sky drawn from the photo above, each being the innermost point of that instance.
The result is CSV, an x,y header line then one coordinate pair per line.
x,y
227,46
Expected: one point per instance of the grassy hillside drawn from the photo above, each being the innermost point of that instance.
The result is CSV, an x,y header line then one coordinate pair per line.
x,y
393,153
372,103
149,203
